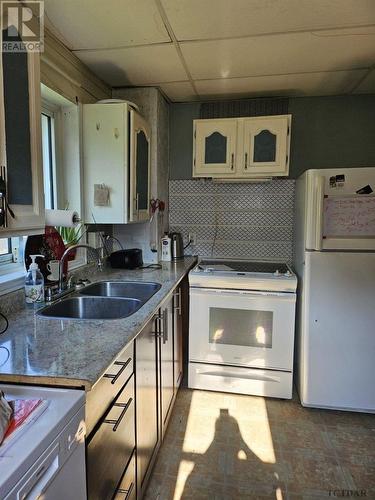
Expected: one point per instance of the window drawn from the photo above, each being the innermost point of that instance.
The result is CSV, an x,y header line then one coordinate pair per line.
x,y
49,161
5,250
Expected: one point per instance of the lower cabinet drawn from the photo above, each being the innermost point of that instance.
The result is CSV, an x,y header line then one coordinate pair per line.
x,y
147,400
127,487
166,345
178,336
111,446
158,373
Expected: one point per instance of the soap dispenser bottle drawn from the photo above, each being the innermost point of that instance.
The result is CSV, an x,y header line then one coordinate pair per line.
x,y
34,282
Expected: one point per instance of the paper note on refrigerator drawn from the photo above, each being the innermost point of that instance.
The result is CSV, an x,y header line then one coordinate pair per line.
x,y
349,217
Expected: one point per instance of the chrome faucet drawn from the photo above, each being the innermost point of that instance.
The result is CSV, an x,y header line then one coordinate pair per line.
x,y
66,253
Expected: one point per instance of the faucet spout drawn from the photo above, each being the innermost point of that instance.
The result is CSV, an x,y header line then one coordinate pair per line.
x,y
64,256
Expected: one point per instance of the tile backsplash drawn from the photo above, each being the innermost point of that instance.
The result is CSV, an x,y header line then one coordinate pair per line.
x,y
239,220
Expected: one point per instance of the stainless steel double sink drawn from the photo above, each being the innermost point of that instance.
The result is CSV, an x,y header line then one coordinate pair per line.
x,y
103,300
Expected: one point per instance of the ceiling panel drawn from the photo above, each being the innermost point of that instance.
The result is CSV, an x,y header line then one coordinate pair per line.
x,y
367,86
281,54
135,66
338,82
179,91
205,19
106,23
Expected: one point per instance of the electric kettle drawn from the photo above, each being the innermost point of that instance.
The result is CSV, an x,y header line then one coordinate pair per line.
x,y
177,246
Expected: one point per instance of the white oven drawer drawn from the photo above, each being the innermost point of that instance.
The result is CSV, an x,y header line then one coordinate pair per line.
x,y
242,328
257,382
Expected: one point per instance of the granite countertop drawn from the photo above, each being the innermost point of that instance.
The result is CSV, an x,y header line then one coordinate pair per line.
x,y
76,353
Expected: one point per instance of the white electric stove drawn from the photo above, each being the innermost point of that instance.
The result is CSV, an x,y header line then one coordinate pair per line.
x,y
241,333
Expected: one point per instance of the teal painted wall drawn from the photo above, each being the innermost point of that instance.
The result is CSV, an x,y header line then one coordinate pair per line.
x,y
327,132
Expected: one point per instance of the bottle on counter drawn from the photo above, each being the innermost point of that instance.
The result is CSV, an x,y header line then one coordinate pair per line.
x,y
34,282
166,248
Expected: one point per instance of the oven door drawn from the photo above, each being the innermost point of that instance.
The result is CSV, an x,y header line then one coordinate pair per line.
x,y
243,328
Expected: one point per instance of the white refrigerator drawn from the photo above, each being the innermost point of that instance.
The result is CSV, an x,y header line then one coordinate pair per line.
x,y
335,263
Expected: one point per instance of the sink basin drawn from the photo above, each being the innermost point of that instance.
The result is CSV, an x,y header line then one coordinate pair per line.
x,y
91,308
140,290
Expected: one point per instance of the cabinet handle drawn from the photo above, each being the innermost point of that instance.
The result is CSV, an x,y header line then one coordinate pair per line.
x,y
117,422
157,333
126,492
163,326
115,377
137,204
232,162
245,161
179,306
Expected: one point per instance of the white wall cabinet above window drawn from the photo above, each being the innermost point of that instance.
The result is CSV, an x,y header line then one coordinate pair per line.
x,y
241,148
116,164
20,140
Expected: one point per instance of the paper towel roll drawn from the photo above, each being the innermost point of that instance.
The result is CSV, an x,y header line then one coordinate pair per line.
x,y
64,218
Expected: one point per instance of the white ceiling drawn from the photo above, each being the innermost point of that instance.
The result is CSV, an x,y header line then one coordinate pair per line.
x,y
204,49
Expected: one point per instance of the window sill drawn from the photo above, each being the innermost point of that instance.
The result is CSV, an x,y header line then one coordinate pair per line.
x,y
12,276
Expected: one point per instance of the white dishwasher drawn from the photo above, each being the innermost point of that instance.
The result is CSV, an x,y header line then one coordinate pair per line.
x,y
46,460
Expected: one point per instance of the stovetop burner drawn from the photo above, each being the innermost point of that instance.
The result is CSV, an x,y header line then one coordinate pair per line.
x,y
243,266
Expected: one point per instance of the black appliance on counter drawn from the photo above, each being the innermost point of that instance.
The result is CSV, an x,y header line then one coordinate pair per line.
x,y
130,258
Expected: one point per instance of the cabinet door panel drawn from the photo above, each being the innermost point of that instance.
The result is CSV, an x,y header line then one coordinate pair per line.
x,y
214,147
20,137
147,405
105,142
266,146
140,141
177,337
166,362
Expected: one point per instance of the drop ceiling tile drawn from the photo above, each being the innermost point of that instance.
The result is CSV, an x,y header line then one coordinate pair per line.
x,y
135,66
367,86
106,23
338,82
205,19
179,91
280,54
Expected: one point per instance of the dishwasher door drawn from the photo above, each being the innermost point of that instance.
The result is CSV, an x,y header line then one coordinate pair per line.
x,y
60,472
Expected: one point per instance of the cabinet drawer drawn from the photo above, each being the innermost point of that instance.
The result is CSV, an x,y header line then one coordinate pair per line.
x,y
106,389
126,489
112,446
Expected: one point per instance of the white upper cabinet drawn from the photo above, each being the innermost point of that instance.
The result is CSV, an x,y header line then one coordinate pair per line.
x,y
241,148
116,164
215,147
266,145
20,141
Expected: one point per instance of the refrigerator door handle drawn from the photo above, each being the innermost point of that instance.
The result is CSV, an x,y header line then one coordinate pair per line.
x,y
319,212
314,221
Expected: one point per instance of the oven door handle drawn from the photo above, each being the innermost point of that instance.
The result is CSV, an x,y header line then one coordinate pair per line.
x,y
254,293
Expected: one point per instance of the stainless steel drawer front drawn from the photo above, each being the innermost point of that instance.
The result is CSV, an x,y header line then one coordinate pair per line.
x,y
106,389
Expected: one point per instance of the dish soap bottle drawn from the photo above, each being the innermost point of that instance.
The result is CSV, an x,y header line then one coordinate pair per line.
x,y
34,282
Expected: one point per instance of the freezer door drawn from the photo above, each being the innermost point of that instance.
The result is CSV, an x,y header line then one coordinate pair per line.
x,y
340,209
337,344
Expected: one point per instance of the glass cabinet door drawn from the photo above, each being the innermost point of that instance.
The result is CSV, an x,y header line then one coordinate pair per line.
x,y
139,168
266,145
214,147
21,133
